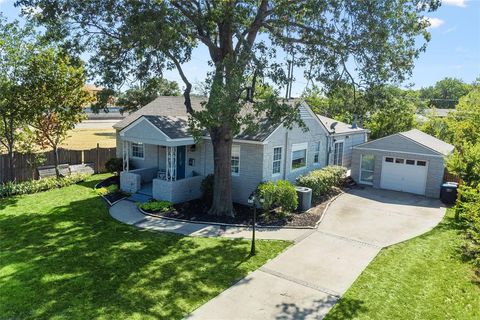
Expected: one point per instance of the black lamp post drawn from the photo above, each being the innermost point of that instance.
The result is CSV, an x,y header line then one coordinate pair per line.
x,y
252,199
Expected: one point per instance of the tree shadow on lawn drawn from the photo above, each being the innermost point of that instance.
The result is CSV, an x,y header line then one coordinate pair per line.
x,y
75,261
8,202
345,309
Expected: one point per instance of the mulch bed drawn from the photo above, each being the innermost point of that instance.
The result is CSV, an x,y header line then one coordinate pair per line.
x,y
108,182
197,210
115,196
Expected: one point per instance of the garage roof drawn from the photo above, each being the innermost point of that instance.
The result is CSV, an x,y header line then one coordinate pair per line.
x,y
413,141
428,141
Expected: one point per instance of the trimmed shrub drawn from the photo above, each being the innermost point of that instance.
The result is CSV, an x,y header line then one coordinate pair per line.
x,y
267,191
323,180
33,186
114,165
287,198
207,189
281,195
156,206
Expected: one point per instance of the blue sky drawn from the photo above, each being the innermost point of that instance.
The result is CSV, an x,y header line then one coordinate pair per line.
x,y
454,50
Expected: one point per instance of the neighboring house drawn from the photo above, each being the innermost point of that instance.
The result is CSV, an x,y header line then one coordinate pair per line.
x,y
433,112
162,159
410,161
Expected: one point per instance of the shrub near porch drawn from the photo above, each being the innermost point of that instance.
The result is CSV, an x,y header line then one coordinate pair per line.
x,y
62,256
323,180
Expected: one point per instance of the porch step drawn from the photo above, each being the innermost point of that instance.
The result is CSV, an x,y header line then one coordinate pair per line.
x,y
138,197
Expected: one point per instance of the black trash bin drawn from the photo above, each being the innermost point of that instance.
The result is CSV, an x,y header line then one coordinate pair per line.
x,y
448,192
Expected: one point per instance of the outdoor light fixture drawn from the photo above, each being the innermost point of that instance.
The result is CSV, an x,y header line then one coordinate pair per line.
x,y
253,200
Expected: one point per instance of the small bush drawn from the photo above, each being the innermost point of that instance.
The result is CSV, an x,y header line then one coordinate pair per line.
x,y
207,189
106,190
114,165
323,180
281,195
156,206
287,198
267,191
33,186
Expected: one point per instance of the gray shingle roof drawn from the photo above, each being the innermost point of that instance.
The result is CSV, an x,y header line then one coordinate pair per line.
x,y
428,141
173,127
169,115
162,106
340,127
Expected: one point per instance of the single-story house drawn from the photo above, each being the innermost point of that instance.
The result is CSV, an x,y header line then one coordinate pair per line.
x,y
410,161
162,160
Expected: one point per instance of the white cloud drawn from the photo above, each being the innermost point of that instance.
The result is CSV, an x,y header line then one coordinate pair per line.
x,y
456,3
434,22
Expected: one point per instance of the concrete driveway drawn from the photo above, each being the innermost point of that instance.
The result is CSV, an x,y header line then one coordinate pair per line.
x,y
305,281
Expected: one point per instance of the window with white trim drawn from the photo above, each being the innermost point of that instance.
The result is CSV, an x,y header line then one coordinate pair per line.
x,y
316,153
235,162
277,160
138,150
299,156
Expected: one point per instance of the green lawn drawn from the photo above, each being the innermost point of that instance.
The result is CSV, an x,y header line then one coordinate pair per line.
x,y
424,278
63,257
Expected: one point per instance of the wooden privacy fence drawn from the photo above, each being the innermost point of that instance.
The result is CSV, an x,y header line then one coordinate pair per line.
x,y
26,164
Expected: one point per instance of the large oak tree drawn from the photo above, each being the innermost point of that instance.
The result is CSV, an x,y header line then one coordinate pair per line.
x,y
246,40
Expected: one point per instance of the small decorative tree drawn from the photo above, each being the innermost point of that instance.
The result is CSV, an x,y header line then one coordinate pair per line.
x,y
57,97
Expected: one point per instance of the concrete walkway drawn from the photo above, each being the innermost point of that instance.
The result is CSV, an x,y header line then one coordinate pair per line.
x,y
127,212
306,280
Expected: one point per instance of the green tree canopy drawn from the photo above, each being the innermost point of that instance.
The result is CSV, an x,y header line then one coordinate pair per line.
x,y
17,44
445,93
56,96
140,39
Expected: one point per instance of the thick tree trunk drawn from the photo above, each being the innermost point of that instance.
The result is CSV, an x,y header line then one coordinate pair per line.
x,y
55,161
222,189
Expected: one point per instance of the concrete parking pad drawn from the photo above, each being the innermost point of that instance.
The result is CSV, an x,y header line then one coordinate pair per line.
x,y
381,217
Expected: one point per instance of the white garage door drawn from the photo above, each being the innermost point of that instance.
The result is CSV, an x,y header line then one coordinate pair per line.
x,y
404,174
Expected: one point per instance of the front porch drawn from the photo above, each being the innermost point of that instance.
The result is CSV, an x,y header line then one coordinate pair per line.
x,y
160,160
174,180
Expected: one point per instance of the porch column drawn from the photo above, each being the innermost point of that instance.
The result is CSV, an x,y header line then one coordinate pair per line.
x,y
171,153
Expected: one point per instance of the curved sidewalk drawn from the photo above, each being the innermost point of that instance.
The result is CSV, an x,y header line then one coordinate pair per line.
x,y
127,212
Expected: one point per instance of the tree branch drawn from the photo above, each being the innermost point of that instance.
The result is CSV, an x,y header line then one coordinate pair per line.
x,y
188,85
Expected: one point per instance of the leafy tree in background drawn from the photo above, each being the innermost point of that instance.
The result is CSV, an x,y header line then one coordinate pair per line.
x,y
446,93
394,111
140,39
138,96
57,97
383,109
16,45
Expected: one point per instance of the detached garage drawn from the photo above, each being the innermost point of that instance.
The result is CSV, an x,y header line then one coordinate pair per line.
x,y
410,161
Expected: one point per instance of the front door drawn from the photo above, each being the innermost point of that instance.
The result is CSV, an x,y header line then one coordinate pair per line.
x,y
181,155
338,153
